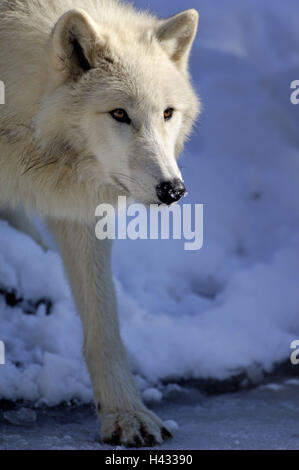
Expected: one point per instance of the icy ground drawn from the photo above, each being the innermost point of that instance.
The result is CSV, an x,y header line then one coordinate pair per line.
x,y
264,418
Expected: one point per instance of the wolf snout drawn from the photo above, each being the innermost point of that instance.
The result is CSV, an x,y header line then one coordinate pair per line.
x,y
169,192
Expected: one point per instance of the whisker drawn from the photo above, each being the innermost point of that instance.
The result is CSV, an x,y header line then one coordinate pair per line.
x,y
132,180
36,166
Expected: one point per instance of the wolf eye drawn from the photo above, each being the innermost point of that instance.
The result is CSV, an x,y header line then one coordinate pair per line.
x,y
121,115
168,113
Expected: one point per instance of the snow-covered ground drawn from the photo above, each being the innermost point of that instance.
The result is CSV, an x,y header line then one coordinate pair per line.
x,y
229,309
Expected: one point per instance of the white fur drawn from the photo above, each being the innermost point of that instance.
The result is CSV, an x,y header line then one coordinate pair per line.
x,y
66,64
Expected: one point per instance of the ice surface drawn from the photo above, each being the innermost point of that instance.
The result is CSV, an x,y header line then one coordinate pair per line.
x,y
233,306
257,419
22,417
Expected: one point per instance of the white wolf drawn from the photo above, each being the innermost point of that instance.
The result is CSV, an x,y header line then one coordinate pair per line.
x,y
98,104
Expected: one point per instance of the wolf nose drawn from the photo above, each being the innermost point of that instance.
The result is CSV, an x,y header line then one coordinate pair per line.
x,y
170,191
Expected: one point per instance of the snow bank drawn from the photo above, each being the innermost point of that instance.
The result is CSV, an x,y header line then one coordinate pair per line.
x,y
229,308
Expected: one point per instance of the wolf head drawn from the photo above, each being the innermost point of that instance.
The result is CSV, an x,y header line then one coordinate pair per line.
x,y
119,91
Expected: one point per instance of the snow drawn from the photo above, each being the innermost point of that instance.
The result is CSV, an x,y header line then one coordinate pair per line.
x,y
231,307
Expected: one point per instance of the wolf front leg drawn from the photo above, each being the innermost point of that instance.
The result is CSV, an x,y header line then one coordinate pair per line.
x,y
124,419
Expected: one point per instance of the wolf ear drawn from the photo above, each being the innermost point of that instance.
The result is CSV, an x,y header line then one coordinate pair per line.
x,y
75,40
177,34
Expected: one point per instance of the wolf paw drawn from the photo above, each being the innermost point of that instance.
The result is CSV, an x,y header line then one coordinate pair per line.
x,y
133,429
